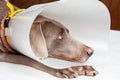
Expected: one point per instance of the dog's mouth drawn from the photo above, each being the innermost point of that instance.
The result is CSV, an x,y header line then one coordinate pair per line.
x,y
80,59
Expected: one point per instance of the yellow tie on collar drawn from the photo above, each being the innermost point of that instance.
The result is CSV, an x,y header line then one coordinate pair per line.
x,y
10,15
12,10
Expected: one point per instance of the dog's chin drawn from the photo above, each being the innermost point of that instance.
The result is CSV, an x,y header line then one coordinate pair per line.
x,y
83,60
75,59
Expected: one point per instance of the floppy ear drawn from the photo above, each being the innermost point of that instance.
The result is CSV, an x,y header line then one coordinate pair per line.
x,y
37,41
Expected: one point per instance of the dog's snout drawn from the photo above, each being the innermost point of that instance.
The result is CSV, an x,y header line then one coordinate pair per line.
x,y
89,51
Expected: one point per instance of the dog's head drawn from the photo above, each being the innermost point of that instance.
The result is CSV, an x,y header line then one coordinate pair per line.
x,y
57,40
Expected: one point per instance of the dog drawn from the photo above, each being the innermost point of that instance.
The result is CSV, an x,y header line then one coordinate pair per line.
x,y
59,44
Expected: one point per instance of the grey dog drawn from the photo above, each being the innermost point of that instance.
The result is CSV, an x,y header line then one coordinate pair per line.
x,y
59,44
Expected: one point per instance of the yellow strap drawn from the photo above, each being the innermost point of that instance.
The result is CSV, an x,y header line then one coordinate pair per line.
x,y
10,6
12,13
6,35
12,10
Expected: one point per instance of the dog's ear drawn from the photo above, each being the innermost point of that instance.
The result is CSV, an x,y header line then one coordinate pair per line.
x,y
37,41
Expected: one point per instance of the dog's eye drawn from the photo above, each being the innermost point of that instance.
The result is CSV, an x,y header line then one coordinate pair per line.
x,y
59,37
62,35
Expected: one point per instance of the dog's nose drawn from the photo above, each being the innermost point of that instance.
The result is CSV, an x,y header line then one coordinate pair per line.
x,y
89,51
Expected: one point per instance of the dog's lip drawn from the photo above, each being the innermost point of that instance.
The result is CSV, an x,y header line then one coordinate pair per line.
x,y
75,59
82,60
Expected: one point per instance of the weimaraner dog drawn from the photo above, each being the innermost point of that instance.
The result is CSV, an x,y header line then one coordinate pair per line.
x,y
58,43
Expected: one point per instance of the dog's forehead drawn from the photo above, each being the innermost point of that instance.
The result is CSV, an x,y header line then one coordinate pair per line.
x,y
41,19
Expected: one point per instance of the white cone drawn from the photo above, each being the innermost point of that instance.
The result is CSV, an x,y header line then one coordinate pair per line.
x,y
83,17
